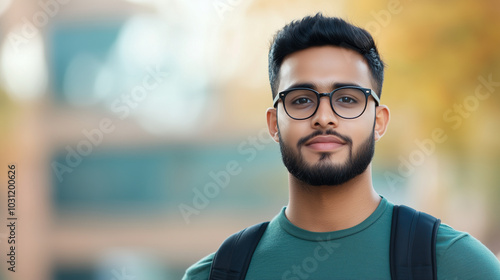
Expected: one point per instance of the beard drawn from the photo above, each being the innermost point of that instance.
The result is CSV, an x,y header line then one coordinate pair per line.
x,y
324,172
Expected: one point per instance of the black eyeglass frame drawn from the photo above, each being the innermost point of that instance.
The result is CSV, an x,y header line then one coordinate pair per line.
x,y
282,95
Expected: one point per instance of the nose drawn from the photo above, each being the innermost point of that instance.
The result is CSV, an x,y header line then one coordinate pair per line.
x,y
324,116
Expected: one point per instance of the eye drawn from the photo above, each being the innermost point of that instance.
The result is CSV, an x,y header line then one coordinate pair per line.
x,y
347,99
301,100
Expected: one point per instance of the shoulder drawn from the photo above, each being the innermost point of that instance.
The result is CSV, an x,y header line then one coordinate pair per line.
x,y
200,270
459,254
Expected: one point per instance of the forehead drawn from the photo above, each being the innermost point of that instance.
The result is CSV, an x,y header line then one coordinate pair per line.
x,y
324,66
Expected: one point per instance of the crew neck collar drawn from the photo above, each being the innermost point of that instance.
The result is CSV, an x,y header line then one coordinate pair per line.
x,y
320,236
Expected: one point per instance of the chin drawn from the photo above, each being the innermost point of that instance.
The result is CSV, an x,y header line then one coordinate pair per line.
x,y
325,159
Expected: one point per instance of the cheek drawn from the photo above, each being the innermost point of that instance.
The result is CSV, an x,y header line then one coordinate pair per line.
x,y
291,130
362,129
282,121
367,119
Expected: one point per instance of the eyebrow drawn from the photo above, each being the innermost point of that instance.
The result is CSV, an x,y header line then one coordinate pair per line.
x,y
315,87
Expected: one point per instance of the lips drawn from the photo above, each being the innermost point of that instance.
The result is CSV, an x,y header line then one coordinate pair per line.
x,y
324,143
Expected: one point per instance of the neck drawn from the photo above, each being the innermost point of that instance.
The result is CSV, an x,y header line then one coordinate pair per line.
x,y
331,208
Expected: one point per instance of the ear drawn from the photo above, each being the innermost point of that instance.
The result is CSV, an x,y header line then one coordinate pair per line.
x,y
272,123
382,117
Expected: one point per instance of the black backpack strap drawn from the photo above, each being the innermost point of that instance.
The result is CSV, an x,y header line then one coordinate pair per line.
x,y
413,244
232,259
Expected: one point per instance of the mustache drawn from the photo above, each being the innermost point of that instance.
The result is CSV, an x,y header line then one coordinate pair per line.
x,y
303,140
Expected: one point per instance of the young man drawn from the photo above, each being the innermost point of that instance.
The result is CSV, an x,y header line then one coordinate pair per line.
x,y
326,77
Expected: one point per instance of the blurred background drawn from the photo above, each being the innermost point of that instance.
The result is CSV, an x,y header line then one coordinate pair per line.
x,y
139,137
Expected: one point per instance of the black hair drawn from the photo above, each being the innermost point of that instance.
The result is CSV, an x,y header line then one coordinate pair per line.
x,y
318,30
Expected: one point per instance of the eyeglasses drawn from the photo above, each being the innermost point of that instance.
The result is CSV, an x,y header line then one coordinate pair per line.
x,y
348,102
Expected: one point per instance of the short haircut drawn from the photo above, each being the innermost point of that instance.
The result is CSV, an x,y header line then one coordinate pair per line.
x,y
318,30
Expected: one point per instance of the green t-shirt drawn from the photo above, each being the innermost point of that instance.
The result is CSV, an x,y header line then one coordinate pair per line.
x,y
288,252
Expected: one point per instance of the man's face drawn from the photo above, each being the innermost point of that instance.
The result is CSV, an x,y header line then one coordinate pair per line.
x,y
326,149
